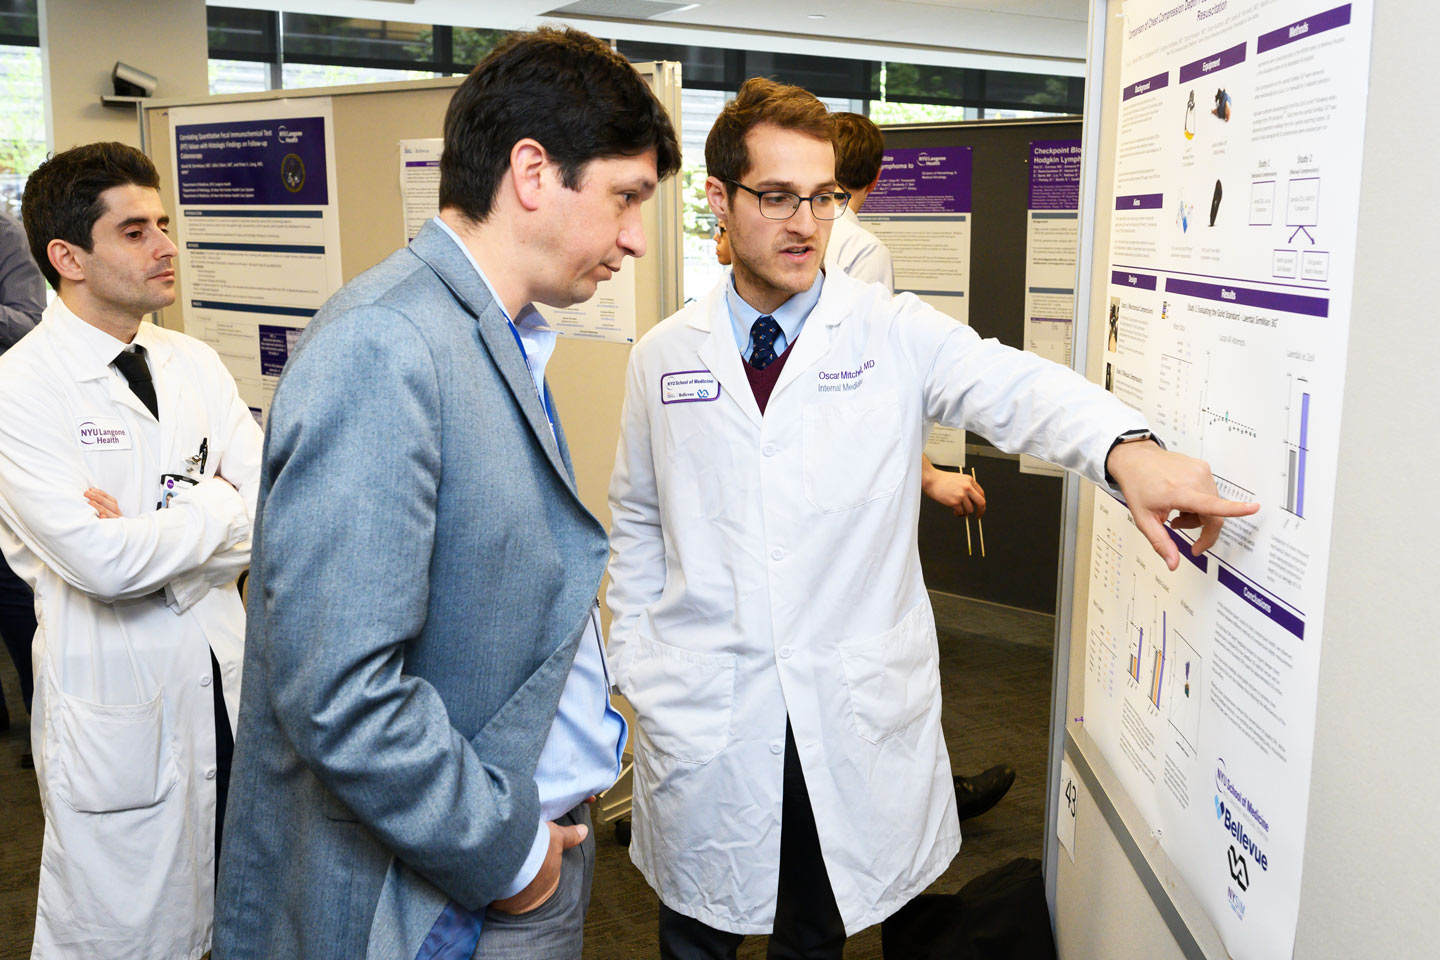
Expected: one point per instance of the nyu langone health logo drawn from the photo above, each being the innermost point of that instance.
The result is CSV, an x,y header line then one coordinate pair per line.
x,y
93,435
288,136
1227,789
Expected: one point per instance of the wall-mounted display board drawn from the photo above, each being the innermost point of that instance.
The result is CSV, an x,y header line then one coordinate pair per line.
x,y
280,197
980,225
1225,184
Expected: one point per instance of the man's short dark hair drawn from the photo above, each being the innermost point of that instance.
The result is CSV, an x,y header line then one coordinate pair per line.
x,y
859,150
62,197
565,89
760,101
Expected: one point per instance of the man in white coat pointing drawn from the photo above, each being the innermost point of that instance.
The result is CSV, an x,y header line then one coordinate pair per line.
x,y
128,473
771,625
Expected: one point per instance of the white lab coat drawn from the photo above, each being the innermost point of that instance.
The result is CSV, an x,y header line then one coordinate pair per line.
x,y
765,566
128,611
858,252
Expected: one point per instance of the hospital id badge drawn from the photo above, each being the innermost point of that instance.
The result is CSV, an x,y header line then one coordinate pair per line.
x,y
172,484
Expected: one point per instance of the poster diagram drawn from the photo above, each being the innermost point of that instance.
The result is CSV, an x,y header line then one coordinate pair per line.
x,y
257,226
1235,197
921,211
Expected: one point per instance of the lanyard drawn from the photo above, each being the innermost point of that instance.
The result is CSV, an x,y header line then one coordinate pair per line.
x,y
544,401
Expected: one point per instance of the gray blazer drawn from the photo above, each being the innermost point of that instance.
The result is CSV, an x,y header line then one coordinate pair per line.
x,y
422,572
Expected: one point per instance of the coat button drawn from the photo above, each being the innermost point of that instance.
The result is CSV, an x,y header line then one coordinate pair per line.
x,y
777,748
205,680
777,554
784,653
768,449
209,773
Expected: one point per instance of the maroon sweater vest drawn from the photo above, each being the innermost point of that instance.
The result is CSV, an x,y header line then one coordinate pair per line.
x,y
762,382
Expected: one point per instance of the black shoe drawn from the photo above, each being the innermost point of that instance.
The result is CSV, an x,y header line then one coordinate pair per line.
x,y
27,761
974,795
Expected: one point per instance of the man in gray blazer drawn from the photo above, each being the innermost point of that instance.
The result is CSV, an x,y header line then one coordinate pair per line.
x,y
422,596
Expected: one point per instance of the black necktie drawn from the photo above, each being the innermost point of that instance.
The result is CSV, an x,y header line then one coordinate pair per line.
x,y
137,372
762,336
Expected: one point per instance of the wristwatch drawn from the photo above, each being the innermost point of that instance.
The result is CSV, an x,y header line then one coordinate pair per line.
x,y
1129,436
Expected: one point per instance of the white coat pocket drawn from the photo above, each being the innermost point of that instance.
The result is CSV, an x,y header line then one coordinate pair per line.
x,y
851,448
109,758
682,698
894,678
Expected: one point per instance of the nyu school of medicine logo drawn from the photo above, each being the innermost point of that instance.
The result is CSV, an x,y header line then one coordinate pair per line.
x,y
292,172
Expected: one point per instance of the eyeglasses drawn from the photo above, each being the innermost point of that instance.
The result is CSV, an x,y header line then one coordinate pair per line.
x,y
781,205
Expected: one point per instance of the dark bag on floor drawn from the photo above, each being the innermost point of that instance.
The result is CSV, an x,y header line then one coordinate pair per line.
x,y
1000,915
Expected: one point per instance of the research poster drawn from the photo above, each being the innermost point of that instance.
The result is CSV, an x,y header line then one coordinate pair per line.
x,y
419,182
1051,244
921,211
609,315
258,231
1235,198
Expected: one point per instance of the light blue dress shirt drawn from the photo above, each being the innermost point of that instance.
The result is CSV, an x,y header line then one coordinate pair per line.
x,y
582,755
791,315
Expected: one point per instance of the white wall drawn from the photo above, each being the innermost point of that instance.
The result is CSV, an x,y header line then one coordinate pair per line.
x,y
80,40
1371,886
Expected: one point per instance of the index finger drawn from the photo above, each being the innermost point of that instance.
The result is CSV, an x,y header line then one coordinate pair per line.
x,y
1210,505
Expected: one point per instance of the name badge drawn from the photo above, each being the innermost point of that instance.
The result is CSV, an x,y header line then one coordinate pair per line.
x,y
103,433
689,386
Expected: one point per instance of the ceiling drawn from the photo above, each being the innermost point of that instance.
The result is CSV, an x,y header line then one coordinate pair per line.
x,y
1026,35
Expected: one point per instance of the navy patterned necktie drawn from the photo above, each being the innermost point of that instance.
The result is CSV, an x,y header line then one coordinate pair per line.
x,y
762,337
137,374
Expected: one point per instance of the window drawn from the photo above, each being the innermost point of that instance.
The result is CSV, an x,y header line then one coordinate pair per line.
x,y
22,121
298,75
238,76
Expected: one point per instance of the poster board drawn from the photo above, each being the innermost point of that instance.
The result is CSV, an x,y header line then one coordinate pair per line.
x,y
1120,850
369,122
1022,523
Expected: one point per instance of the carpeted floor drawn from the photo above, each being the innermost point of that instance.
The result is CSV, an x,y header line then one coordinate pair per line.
x,y
995,672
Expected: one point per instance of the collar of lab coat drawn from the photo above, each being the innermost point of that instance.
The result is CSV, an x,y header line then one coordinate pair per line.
x,y
721,354
92,350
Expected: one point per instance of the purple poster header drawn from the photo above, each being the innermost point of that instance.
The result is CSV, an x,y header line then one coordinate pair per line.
x,y
1054,174
1263,602
1149,84
1140,201
1300,29
923,181
1138,281
1213,64
273,161
1247,297
1202,561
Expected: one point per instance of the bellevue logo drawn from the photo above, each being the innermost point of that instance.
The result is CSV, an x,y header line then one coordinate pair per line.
x,y
1236,829
1239,871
